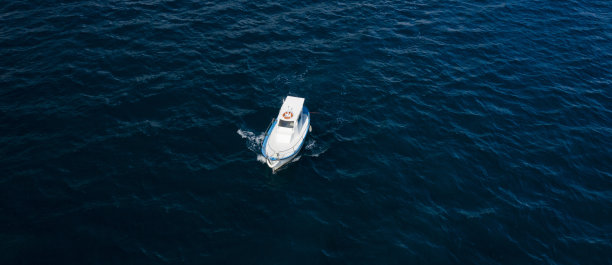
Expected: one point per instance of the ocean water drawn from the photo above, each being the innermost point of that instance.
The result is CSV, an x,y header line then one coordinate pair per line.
x,y
444,132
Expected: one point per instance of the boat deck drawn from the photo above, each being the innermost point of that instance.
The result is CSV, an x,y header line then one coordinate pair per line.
x,y
277,148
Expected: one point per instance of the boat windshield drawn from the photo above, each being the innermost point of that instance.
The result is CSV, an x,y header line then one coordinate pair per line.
x,y
286,124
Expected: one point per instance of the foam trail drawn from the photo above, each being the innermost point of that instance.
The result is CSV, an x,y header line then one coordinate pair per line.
x,y
253,141
310,144
261,158
314,149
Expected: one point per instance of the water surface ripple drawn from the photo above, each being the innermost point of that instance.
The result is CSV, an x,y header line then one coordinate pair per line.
x,y
444,132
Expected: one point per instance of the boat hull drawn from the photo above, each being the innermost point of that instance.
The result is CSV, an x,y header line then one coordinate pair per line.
x,y
276,162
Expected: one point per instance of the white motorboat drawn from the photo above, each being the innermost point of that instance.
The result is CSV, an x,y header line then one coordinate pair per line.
x,y
287,132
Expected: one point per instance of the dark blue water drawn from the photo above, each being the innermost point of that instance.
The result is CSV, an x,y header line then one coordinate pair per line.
x,y
444,132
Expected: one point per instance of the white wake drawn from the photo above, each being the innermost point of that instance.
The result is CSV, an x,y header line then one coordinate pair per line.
x,y
253,142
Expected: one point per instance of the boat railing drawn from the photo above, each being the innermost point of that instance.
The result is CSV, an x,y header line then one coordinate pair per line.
x,y
292,149
268,129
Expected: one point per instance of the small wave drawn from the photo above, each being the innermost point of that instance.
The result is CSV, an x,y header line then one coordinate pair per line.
x,y
310,144
254,141
261,159
313,149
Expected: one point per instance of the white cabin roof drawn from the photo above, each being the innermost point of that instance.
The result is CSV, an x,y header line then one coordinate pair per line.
x,y
291,109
